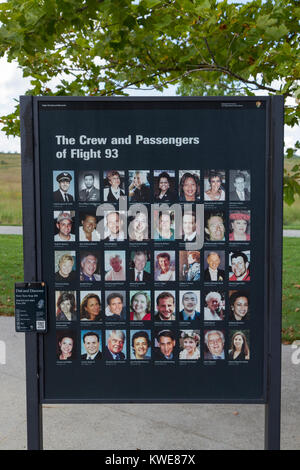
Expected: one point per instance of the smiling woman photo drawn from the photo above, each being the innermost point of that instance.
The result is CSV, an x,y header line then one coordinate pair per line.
x,y
90,308
140,306
239,350
190,343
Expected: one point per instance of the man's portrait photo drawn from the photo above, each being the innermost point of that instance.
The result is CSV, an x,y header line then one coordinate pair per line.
x,y
214,266
90,266
115,349
114,185
88,183
189,227
64,226
165,306
91,345
239,266
189,266
115,305
214,341
214,226
239,185
63,186
189,308
115,265
65,266
165,341
140,342
164,269
139,266
114,226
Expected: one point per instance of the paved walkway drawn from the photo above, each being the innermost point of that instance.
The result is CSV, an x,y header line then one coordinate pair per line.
x,y
13,230
146,427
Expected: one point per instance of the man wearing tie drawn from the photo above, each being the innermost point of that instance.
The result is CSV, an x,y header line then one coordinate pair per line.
x,y
214,341
241,193
62,195
115,344
89,193
138,273
91,342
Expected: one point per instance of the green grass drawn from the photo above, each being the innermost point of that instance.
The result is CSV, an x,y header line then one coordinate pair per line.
x,y
10,189
11,268
291,290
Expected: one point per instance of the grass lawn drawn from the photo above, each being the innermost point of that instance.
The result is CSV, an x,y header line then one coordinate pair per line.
x,y
11,268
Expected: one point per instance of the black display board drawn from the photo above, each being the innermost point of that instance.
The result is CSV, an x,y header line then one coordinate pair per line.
x,y
203,150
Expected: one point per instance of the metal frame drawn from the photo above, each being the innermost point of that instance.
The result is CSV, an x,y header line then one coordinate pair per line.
x,y
33,271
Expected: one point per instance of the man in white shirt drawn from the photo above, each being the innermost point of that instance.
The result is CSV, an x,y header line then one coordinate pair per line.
x,y
64,225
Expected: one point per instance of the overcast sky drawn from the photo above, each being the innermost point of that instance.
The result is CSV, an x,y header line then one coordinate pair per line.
x,y
12,85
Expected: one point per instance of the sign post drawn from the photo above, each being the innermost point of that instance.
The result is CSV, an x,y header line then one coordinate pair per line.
x,y
156,225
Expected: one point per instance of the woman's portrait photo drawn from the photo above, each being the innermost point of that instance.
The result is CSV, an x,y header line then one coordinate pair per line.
x,y
189,344
164,186
140,342
65,266
139,187
164,269
239,226
140,305
65,305
164,224
214,184
115,266
90,306
239,346
138,228
239,301
114,185
189,185
65,345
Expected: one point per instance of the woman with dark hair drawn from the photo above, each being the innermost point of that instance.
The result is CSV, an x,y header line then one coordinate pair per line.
x,y
66,307
140,307
140,344
164,226
189,187
190,345
215,192
239,350
239,306
113,193
65,347
164,193
90,308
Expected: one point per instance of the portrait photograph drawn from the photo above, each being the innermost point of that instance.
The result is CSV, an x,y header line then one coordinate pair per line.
x,y
164,266
214,266
64,226
189,345
214,345
63,186
239,185
163,225
189,185
138,226
189,305
239,225
90,306
164,186
189,266
239,341
214,305
164,305
214,185
140,266
115,345
139,186
88,225
239,266
239,305
65,266
115,265
89,186
65,345
140,305
140,345
115,305
214,225
165,345
90,266
66,308
91,345
115,226
114,185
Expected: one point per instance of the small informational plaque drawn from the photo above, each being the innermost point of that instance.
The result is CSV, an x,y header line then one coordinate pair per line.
x,y
30,307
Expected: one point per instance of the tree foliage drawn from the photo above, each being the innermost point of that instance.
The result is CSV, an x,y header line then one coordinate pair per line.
x,y
104,47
